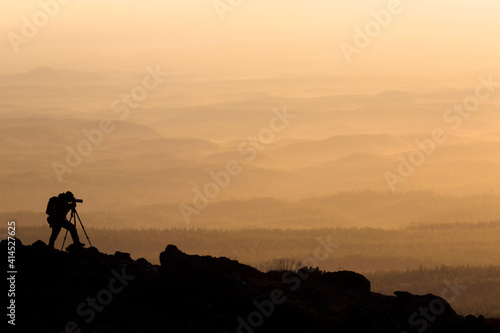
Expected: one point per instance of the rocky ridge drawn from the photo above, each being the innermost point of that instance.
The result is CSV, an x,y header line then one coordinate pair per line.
x,y
83,290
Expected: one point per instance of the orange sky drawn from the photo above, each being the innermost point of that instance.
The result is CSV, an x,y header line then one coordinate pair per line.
x,y
103,35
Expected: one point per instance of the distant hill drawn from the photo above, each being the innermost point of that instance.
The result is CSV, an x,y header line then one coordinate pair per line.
x,y
340,146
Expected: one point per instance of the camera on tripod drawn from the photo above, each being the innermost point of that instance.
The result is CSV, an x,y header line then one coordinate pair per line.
x,y
74,217
73,202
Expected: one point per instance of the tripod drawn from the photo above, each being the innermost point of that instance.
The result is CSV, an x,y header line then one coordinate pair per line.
x,y
74,216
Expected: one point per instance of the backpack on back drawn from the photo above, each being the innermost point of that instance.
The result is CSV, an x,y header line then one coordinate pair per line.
x,y
50,206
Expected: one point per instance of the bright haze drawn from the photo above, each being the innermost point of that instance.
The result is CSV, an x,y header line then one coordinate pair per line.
x,y
243,114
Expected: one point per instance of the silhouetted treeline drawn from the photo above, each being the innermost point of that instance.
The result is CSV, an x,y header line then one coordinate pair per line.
x,y
360,249
346,209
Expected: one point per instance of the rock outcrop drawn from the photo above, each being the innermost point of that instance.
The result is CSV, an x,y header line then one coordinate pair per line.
x,y
83,290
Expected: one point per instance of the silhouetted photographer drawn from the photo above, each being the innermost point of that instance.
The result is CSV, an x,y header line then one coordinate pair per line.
x,y
57,209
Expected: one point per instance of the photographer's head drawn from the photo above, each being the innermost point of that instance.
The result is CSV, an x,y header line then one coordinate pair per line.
x,y
69,196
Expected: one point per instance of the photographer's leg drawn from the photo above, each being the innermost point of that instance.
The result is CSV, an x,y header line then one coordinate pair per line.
x,y
55,232
72,230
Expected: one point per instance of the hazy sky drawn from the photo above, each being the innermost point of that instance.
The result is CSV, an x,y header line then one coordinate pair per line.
x,y
226,75
108,34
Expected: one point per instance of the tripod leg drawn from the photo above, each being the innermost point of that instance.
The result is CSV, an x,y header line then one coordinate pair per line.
x,y
83,228
72,218
66,234
64,241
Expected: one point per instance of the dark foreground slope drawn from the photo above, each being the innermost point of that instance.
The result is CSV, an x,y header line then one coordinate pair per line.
x,y
84,290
